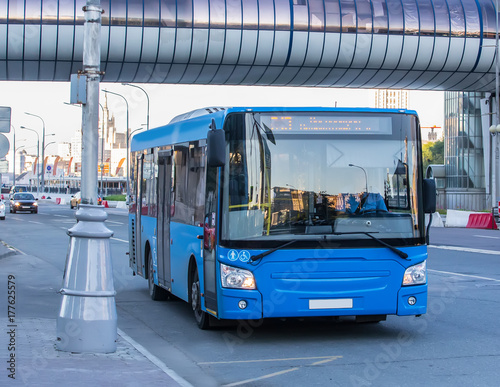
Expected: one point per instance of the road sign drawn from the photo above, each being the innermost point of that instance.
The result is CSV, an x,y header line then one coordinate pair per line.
x,y
49,168
4,145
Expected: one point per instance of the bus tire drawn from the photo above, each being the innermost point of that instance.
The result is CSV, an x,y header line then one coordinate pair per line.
x,y
202,318
155,292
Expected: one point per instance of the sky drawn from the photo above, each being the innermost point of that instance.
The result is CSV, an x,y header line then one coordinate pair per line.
x,y
47,99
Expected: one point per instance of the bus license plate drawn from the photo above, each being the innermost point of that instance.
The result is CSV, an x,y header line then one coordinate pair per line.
x,y
339,303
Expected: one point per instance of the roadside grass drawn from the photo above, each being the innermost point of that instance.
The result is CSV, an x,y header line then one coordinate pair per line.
x,y
115,198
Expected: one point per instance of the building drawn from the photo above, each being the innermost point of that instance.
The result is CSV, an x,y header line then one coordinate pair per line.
x,y
392,99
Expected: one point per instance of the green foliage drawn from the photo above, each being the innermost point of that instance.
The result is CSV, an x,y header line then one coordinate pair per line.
x,y
115,198
433,153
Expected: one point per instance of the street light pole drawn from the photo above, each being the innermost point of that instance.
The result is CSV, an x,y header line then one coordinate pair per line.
x,y
14,162
102,148
37,158
42,185
128,135
147,97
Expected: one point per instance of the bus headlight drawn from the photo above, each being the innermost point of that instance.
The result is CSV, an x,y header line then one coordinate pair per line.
x,y
416,274
235,278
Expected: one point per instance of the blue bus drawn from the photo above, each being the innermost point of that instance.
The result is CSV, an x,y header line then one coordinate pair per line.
x,y
255,213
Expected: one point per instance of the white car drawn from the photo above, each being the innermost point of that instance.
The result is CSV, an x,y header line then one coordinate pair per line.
x,y
2,210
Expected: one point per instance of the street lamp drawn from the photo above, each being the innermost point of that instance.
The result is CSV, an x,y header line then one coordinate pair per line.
x,y
37,157
128,136
14,163
102,147
147,97
43,145
366,177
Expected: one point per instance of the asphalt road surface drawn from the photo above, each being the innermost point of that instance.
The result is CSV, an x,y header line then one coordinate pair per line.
x,y
455,344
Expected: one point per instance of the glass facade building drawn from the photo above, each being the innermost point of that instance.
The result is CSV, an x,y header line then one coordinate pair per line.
x,y
466,154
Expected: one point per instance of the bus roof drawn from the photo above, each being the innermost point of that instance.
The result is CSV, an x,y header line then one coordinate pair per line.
x,y
194,125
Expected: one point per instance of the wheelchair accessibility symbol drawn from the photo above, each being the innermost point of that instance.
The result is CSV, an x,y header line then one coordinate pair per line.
x,y
244,256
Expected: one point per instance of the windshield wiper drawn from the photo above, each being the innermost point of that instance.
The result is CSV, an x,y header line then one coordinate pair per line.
x,y
400,253
262,255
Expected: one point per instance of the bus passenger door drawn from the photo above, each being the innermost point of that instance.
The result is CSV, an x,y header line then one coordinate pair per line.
x,y
164,205
138,211
210,240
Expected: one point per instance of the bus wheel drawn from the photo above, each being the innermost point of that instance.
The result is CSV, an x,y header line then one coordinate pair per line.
x,y
155,292
202,318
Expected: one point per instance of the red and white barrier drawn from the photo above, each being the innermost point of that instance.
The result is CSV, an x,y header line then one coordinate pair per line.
x,y
470,219
484,220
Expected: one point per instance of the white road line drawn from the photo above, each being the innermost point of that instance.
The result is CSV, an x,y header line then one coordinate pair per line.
x,y
464,275
119,240
466,249
153,359
109,221
486,236
262,377
328,358
32,221
61,216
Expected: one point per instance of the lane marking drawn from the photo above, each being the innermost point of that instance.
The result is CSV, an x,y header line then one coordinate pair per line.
x,y
32,221
466,249
119,240
153,359
464,275
270,360
261,377
325,359
61,216
110,221
486,236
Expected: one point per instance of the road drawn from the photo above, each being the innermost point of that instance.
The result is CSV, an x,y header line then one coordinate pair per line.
x,y
454,344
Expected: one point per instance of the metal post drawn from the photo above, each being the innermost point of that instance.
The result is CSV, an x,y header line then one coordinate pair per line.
x,y
14,163
102,149
128,135
42,185
147,97
37,159
87,319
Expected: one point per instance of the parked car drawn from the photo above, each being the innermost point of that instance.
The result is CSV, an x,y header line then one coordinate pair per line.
x,y
23,201
76,199
2,210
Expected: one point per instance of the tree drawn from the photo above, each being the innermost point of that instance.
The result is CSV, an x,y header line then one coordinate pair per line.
x,y
433,153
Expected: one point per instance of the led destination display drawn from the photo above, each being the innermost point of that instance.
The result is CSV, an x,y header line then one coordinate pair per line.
x,y
318,123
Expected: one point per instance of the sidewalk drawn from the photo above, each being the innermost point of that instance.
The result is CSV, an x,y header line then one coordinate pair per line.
x,y
27,346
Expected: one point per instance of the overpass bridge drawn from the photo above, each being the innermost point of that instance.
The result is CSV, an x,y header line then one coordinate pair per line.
x,y
413,44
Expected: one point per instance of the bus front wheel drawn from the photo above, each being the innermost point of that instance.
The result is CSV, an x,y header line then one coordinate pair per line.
x,y
202,318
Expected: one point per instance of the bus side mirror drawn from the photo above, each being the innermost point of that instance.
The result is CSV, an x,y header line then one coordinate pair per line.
x,y
216,146
429,196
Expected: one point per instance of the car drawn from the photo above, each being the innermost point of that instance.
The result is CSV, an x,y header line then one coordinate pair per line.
x,y
76,199
23,201
2,210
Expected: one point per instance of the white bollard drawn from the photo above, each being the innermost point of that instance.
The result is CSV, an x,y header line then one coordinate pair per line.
x,y
87,319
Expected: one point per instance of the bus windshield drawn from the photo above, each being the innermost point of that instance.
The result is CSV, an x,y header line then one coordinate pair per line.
x,y
321,176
